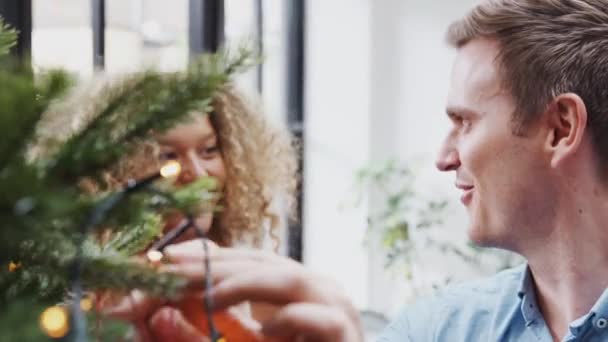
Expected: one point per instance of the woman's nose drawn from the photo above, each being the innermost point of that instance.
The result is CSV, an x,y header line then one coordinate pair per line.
x,y
192,167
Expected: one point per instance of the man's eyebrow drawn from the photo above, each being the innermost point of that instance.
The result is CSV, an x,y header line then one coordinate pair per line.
x,y
459,112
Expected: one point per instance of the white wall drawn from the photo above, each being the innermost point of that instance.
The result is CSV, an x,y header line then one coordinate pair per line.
x,y
338,70
411,72
377,77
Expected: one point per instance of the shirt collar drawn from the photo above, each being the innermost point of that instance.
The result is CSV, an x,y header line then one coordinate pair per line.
x,y
530,311
601,306
525,284
528,306
526,288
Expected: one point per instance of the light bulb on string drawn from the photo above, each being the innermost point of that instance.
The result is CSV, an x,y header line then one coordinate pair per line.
x,y
154,256
54,321
13,266
86,304
171,169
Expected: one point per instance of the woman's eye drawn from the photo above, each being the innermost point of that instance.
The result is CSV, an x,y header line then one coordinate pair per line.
x,y
164,156
209,151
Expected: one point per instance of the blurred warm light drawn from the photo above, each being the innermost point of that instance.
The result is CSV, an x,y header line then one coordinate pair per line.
x,y
54,322
86,304
154,256
170,169
13,266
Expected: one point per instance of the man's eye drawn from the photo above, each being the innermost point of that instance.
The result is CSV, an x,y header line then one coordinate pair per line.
x,y
456,119
164,156
465,123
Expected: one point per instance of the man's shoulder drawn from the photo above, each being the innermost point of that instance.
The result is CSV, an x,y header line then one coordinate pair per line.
x,y
479,302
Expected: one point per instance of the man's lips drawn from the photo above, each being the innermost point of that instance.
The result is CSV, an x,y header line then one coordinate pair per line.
x,y
467,192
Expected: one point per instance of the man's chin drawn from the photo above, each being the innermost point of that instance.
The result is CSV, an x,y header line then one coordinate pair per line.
x,y
480,237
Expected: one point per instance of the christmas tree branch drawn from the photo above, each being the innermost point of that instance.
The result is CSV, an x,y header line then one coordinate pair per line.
x,y
143,103
51,142
8,37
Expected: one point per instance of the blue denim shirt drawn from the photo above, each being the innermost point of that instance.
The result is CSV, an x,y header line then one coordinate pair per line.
x,y
500,308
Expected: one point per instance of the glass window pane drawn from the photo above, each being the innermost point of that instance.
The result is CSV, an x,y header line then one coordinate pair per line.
x,y
240,20
150,33
275,52
62,36
240,28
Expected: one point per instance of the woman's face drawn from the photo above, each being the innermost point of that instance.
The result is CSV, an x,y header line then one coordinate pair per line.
x,y
194,144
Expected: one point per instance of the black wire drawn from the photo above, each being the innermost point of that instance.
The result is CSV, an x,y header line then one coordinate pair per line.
x,y
171,236
98,214
207,301
208,283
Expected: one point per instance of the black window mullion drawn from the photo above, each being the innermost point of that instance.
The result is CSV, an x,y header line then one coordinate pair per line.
x,y
18,14
206,27
295,108
98,21
259,23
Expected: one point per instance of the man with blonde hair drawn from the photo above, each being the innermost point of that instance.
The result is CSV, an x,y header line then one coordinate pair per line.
x,y
528,102
528,143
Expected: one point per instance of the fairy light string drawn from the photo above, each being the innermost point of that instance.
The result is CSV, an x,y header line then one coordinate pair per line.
x,y
56,318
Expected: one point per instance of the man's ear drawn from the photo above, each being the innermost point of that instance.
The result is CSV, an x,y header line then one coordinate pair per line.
x,y
567,120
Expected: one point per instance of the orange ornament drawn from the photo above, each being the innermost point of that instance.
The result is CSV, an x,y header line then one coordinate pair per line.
x,y
227,324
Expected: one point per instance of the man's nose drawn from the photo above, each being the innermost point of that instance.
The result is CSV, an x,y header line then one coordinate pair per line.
x,y
448,159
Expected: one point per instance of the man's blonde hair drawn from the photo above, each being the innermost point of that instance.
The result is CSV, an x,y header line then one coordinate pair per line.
x,y
547,48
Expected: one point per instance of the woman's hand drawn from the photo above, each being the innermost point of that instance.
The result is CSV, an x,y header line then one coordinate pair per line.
x,y
312,307
168,324
152,318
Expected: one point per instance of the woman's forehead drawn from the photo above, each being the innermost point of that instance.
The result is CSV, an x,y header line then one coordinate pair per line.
x,y
195,129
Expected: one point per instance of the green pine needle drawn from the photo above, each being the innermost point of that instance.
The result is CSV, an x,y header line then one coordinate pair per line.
x,y
133,239
8,37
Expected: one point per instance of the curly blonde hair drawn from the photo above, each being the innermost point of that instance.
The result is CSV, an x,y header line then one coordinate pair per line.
x,y
261,167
